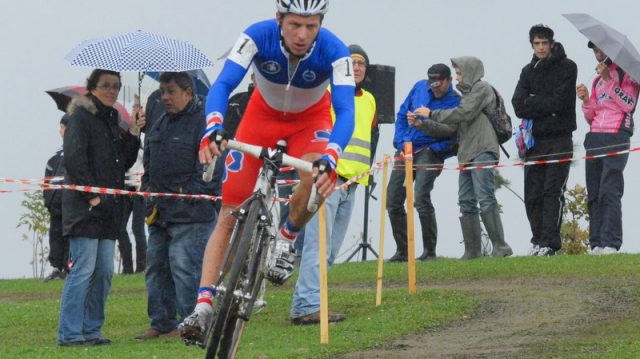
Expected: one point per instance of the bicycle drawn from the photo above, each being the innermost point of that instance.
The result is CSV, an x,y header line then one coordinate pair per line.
x,y
248,255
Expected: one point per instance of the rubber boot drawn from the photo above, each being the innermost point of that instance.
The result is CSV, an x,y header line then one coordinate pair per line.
x,y
429,236
141,260
471,232
493,225
399,228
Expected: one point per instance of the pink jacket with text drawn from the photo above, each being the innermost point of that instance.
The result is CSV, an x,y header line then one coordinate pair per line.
x,y
611,105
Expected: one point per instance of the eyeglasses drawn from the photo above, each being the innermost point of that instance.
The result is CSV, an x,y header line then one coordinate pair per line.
x,y
359,63
436,83
107,86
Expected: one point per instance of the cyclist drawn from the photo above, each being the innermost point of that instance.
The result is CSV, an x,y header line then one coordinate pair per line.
x,y
294,60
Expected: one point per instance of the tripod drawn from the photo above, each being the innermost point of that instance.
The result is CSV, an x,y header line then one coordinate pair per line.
x,y
364,245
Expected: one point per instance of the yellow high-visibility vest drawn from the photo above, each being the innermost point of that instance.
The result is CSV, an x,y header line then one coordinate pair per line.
x,y
356,157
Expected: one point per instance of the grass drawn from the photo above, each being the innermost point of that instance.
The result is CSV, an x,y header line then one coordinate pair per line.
x,y
29,310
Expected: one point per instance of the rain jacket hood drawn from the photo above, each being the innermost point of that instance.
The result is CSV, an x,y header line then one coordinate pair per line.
x,y
472,71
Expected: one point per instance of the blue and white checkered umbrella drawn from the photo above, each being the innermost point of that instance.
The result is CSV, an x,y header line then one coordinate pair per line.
x,y
138,51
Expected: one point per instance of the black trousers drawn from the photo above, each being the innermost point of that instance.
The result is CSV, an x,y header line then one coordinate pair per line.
x,y
544,187
605,187
58,244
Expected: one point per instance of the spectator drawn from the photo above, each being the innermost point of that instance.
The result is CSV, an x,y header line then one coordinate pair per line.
x,y
429,152
97,154
477,145
133,207
609,113
178,228
355,160
545,94
58,244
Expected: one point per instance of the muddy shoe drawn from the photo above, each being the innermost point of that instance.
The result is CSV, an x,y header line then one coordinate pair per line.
x,y
193,328
314,318
282,268
149,334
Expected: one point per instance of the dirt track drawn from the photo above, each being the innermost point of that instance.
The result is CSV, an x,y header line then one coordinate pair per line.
x,y
514,313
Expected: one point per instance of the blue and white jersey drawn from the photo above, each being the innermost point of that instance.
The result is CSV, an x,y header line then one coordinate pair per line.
x,y
328,62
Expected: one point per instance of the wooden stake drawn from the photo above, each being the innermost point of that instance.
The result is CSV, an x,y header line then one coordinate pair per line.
x,y
324,297
383,215
411,249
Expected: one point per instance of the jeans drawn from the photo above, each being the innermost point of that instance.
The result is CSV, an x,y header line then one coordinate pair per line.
x,y
306,298
174,263
477,187
605,187
423,183
86,289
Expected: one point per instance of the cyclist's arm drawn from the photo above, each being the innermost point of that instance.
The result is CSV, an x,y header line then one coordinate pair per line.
x,y
342,98
234,70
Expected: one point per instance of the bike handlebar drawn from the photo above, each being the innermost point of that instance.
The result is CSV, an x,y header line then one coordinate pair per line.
x,y
256,151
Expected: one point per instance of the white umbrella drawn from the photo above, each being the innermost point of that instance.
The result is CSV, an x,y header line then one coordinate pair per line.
x,y
139,51
613,43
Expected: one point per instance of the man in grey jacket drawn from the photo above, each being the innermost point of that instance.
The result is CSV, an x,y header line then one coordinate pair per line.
x,y
477,145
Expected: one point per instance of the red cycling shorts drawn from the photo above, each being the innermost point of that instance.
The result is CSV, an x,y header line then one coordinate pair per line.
x,y
305,132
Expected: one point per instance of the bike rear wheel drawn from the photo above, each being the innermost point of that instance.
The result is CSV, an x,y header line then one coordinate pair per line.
x,y
226,318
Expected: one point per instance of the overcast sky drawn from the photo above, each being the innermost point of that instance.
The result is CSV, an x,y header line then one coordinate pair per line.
x,y
408,34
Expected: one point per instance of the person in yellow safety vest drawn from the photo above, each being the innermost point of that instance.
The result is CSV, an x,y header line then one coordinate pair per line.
x,y
355,160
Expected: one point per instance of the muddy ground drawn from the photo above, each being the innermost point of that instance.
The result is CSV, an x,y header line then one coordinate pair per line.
x,y
514,313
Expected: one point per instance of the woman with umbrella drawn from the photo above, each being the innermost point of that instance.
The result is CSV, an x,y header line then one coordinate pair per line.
x,y
609,113
98,154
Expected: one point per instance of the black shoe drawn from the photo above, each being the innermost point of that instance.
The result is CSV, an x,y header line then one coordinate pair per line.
x,y
56,274
75,343
398,257
314,318
98,341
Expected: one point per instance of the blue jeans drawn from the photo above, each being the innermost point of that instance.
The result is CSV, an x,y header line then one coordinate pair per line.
x,y
423,183
477,188
174,263
306,298
86,289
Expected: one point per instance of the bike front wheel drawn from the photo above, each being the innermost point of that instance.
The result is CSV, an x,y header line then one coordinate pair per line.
x,y
226,328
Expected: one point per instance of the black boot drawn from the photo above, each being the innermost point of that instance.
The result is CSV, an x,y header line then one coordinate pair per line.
x,y
471,232
399,228
493,225
429,236
141,260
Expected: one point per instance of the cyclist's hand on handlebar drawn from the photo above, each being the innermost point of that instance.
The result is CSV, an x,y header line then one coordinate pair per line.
x,y
212,144
325,176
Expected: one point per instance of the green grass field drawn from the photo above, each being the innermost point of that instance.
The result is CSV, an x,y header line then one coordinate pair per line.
x,y
29,310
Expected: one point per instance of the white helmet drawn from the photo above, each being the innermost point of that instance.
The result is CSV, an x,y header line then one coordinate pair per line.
x,y
303,7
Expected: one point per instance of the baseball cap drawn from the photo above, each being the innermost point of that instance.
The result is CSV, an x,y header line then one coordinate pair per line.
x,y
437,73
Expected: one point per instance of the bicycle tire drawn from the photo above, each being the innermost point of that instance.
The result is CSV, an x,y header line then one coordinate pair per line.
x,y
226,302
254,276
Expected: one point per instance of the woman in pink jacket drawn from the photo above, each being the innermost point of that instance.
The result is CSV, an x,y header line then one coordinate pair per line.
x,y
609,112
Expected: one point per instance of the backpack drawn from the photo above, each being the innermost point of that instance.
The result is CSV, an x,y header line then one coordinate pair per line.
x,y
501,121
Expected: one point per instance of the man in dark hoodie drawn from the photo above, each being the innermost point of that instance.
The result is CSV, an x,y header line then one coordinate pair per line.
x,y
546,94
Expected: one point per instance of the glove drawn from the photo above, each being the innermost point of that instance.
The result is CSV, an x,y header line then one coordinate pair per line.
x,y
214,126
326,165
